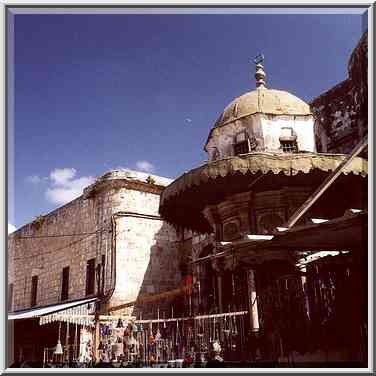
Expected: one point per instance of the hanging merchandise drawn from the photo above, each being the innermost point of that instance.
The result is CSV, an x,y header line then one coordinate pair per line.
x,y
158,335
59,348
117,349
86,351
103,356
133,348
100,347
120,323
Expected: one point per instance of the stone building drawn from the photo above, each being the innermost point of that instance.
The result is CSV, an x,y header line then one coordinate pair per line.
x,y
256,283
109,242
263,166
343,109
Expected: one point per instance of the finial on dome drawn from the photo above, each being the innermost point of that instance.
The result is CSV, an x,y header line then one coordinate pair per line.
x,y
260,75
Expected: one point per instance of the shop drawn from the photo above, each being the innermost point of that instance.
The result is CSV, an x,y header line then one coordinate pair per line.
x,y
54,336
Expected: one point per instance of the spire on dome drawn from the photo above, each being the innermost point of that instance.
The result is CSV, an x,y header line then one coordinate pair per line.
x,y
260,75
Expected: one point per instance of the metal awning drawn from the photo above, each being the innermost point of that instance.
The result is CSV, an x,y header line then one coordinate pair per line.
x,y
41,311
346,233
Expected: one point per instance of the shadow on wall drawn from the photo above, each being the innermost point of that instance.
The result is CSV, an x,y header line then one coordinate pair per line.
x,y
164,275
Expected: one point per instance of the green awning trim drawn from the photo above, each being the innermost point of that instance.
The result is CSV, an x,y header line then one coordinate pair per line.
x,y
288,164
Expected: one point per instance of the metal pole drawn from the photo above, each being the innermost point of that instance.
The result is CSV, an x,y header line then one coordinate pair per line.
x,y
325,184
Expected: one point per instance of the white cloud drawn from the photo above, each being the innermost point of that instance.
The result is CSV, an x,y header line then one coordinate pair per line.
x,y
62,176
145,166
11,228
33,179
64,187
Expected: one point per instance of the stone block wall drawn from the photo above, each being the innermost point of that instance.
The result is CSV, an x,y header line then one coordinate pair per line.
x,y
147,260
119,198
343,109
41,251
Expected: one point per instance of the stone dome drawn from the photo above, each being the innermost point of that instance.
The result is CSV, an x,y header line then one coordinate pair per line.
x,y
266,101
265,119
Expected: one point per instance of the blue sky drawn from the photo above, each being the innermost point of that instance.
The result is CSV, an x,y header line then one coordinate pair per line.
x,y
97,92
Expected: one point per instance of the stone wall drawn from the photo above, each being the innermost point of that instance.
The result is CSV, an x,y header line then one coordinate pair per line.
x,y
144,245
266,130
147,261
343,110
40,251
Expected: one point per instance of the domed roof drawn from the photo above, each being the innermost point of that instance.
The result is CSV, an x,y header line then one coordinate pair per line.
x,y
263,100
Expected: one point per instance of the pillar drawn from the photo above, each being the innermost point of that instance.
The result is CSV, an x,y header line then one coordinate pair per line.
x,y
252,299
219,284
304,290
96,338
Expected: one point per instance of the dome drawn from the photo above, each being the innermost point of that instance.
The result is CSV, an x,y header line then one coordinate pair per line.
x,y
261,133
263,100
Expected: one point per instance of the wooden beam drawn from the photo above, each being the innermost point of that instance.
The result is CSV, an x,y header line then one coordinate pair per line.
x,y
152,298
326,184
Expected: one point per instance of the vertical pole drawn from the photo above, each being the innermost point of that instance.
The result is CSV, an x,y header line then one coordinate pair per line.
x,y
219,284
304,291
96,337
67,342
253,311
75,345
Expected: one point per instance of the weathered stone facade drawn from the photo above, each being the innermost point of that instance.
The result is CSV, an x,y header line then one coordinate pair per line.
x,y
266,128
343,109
116,221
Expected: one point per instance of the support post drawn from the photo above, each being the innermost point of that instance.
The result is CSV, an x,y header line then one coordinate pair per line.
x,y
252,299
96,338
219,284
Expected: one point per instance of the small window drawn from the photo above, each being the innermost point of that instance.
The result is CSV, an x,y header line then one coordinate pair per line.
x,y
65,283
241,137
34,290
287,140
241,148
243,143
10,297
90,276
289,146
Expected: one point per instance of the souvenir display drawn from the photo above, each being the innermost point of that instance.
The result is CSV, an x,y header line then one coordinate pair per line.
x,y
174,341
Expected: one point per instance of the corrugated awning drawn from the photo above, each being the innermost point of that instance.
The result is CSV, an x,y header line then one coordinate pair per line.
x,y
41,311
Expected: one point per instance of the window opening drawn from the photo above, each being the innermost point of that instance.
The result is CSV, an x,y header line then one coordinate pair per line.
x,y
287,140
10,297
289,146
243,143
65,284
90,276
34,290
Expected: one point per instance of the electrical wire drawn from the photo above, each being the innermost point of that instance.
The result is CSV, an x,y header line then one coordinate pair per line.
x,y
88,234
56,236
54,250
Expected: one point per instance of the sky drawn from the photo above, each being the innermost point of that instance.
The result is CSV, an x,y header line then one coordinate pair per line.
x,y
95,92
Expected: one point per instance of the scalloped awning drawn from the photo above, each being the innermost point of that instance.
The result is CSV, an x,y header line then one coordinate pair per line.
x,y
183,200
